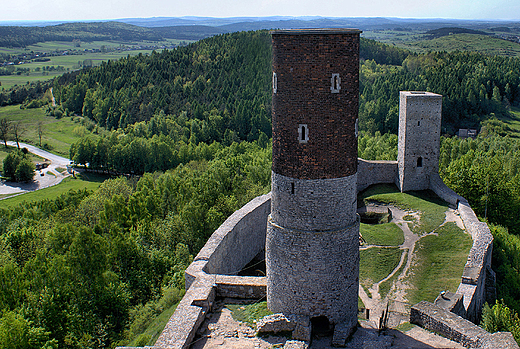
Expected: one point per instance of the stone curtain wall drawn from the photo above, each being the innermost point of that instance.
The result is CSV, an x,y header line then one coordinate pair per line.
x,y
242,236
375,172
451,326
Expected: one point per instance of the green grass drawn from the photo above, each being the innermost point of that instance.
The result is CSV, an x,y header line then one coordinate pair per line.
x,y
249,313
432,208
81,182
514,121
360,303
377,263
467,42
59,134
405,327
388,234
384,287
72,62
154,330
439,259
439,262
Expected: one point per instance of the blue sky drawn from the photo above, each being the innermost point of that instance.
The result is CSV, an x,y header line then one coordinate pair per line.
x,y
112,9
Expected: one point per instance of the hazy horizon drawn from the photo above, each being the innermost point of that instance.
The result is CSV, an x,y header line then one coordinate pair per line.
x,y
102,10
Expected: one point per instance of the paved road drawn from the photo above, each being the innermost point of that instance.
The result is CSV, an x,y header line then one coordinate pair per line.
x,y
40,181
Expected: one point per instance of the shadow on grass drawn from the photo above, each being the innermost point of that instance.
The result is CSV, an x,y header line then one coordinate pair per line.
x,y
390,194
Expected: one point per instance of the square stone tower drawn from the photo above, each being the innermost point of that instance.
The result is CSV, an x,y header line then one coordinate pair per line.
x,y
419,139
312,244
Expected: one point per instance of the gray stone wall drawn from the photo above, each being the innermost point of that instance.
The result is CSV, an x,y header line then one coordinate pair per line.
x,y
205,282
313,204
419,139
375,172
238,240
313,273
449,325
475,281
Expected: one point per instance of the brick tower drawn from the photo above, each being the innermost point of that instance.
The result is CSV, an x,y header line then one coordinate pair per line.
x,y
419,139
312,247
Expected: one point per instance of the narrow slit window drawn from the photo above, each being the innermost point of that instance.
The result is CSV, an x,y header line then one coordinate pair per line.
x,y
419,161
335,83
418,123
275,82
292,188
303,133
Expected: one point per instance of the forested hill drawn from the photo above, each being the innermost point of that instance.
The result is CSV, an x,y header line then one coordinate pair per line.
x,y
231,73
12,36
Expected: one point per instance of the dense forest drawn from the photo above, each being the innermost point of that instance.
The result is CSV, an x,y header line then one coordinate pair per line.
x,y
87,270
91,269
13,36
230,73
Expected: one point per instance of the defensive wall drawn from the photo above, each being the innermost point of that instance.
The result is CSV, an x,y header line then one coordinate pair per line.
x,y
242,237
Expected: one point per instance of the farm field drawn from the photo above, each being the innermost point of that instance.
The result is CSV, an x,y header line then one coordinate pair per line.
x,y
73,60
466,42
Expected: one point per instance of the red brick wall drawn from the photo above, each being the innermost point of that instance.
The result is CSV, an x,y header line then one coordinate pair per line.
x,y
304,62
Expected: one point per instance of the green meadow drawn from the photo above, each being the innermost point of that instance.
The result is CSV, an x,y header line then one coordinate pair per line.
x,y
58,134
73,60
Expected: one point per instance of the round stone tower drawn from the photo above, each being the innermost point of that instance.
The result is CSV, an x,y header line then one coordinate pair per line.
x,y
312,247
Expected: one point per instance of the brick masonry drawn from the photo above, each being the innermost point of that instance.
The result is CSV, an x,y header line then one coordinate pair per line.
x,y
304,62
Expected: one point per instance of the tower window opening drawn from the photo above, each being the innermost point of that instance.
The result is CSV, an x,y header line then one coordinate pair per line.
x,y
419,123
335,83
292,188
275,82
419,161
303,133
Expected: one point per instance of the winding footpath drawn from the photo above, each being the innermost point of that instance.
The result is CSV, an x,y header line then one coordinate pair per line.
x,y
375,303
39,181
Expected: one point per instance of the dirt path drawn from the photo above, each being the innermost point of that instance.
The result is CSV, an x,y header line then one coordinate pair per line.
x,y
375,304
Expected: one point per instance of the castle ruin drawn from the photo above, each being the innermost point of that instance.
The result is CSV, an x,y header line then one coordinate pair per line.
x,y
312,246
307,225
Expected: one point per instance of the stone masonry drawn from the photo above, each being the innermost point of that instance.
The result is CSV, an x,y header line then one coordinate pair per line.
x,y
312,254
419,139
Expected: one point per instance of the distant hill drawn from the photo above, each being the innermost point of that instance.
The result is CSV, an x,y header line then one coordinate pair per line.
x,y
15,36
485,44
437,33
196,28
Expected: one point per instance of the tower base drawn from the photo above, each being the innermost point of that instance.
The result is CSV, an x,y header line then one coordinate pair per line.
x,y
313,274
